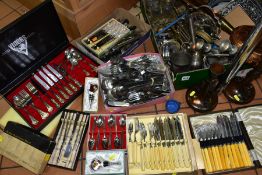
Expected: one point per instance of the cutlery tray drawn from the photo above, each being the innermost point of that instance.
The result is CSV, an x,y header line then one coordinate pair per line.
x,y
41,72
163,150
226,140
100,128
69,138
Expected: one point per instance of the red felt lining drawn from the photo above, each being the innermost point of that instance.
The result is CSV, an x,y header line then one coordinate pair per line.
x,y
108,129
76,73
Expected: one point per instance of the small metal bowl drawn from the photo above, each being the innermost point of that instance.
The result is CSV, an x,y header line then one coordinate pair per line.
x,y
180,61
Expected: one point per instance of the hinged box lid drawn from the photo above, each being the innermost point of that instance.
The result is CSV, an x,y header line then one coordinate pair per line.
x,y
29,42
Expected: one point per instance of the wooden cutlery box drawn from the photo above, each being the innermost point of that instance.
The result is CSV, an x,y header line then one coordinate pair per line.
x,y
40,72
227,141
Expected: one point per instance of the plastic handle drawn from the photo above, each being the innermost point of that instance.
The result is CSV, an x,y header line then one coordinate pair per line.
x,y
151,155
222,157
142,158
218,158
226,155
156,158
186,156
147,156
130,152
215,156
171,158
234,151
162,157
239,155
180,155
208,165
175,155
244,152
230,155
211,157
134,153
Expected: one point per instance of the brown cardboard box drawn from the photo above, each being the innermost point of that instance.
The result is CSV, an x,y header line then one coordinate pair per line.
x,y
119,14
79,20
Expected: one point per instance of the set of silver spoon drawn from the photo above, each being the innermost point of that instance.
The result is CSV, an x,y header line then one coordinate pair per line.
x,y
109,126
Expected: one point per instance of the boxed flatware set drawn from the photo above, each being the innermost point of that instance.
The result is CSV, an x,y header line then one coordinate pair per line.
x,y
225,139
69,138
107,132
159,144
41,72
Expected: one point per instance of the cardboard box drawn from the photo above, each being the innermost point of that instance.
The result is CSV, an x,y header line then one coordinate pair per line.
x,y
26,147
232,11
119,14
39,77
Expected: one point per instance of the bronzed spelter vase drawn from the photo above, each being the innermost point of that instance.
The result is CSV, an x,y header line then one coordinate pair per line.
x,y
203,97
240,89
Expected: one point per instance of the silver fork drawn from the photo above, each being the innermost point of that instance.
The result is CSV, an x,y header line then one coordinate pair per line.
x,y
31,88
29,101
134,97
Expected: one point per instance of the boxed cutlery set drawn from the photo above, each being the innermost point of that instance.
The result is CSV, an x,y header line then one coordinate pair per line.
x,y
228,140
250,119
107,132
41,73
106,144
132,81
69,138
106,36
159,144
119,34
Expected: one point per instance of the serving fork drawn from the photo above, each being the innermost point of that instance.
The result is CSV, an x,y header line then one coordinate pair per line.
x,y
31,88
28,101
